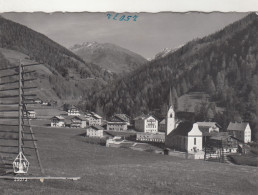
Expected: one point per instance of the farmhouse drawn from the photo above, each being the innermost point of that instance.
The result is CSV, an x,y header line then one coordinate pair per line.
x,y
146,124
222,141
30,114
78,122
124,117
94,131
93,119
73,111
117,123
57,121
241,131
151,137
186,137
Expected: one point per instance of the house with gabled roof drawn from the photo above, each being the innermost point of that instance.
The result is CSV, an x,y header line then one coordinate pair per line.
x,y
124,117
240,131
78,122
94,131
146,123
73,111
93,119
57,121
117,123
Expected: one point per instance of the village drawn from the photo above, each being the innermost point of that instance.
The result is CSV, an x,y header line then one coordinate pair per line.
x,y
173,135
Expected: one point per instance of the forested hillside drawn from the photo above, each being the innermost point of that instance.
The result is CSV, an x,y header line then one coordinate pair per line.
x,y
69,70
224,64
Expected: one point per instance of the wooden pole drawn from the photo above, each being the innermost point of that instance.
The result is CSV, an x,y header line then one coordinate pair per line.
x,y
20,109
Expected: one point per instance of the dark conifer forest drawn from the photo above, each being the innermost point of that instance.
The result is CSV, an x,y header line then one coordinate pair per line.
x,y
224,65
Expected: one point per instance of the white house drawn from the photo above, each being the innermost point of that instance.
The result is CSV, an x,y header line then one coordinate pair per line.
x,y
241,131
146,124
73,111
94,131
93,119
186,137
57,121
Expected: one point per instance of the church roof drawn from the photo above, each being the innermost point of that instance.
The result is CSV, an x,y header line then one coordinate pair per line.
x,y
182,129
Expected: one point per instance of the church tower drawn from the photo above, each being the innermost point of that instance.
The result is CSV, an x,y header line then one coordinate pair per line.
x,y
170,118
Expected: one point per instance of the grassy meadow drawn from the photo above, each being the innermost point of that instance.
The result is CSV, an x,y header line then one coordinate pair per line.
x,y
123,171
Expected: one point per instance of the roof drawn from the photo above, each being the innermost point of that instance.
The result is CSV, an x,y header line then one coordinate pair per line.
x,y
118,118
208,124
237,126
182,129
163,122
96,127
96,115
123,117
117,123
143,117
31,111
79,117
219,136
92,114
58,117
72,107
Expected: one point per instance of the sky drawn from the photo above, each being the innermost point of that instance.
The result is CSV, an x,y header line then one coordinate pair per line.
x,y
148,35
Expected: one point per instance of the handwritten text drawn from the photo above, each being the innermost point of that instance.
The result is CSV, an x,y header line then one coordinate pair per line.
x,y
120,17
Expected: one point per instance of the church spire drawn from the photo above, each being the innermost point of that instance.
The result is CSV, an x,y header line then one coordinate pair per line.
x,y
170,103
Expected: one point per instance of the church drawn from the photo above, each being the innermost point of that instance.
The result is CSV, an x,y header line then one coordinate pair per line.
x,y
183,136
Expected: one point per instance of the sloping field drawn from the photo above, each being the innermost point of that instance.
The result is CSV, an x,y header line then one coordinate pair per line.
x,y
124,171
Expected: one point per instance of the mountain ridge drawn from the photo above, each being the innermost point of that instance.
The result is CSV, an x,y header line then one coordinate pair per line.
x,y
109,56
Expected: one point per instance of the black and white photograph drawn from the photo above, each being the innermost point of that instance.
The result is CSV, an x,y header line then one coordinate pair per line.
x,y
129,103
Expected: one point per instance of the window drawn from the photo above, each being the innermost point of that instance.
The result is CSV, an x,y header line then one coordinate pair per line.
x,y
194,141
